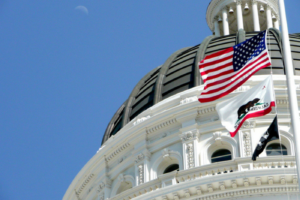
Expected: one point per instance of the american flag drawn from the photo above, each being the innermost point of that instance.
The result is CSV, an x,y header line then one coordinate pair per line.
x,y
226,70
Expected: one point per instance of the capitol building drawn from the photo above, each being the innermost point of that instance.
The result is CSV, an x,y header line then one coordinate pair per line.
x,y
162,144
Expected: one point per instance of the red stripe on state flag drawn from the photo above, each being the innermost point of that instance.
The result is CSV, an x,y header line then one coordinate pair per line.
x,y
252,115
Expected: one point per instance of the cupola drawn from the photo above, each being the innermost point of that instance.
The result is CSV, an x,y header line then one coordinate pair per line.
x,y
225,17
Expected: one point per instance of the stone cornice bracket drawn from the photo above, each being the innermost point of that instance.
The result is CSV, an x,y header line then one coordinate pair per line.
x,y
189,135
77,195
87,180
116,152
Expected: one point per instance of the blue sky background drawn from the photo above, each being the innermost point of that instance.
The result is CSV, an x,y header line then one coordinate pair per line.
x,y
64,73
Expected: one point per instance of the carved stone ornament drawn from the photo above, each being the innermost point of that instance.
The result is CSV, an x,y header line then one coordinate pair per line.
x,y
190,155
141,173
189,135
139,158
247,144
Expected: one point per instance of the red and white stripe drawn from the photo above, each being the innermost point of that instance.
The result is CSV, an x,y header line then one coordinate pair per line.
x,y
219,77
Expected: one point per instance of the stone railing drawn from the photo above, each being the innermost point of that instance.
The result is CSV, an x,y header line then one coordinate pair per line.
x,y
215,169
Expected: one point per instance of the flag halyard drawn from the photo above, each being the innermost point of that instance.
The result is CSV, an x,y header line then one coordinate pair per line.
x,y
224,71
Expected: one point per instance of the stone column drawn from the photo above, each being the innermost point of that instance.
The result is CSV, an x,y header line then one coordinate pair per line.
x,y
269,17
255,16
225,21
239,13
217,27
276,23
190,148
142,167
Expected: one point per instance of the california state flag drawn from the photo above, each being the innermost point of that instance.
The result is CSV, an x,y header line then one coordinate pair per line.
x,y
256,102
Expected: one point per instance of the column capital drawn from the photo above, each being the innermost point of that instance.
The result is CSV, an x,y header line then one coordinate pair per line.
x,y
254,1
189,135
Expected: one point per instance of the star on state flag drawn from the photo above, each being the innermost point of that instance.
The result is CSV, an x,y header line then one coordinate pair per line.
x,y
256,102
224,71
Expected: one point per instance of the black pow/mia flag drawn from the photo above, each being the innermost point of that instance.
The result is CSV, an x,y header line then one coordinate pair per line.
x,y
270,135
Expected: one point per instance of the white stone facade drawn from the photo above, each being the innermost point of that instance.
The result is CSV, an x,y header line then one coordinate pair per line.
x,y
180,130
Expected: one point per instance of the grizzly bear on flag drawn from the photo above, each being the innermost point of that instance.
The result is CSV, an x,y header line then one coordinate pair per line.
x,y
246,107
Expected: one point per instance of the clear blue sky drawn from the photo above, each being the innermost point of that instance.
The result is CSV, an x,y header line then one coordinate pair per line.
x,y
65,71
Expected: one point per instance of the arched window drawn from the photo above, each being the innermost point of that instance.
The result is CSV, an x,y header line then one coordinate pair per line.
x,y
221,155
276,149
171,168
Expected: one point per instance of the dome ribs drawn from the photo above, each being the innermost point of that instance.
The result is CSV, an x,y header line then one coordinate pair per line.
x,y
162,74
200,55
180,72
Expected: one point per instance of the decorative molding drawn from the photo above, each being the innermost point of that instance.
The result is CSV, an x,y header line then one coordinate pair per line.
x,y
282,101
188,100
139,158
206,110
141,173
160,126
250,193
117,151
140,120
189,135
247,143
190,155
87,180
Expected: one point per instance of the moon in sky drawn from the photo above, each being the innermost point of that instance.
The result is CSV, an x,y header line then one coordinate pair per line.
x,y
82,9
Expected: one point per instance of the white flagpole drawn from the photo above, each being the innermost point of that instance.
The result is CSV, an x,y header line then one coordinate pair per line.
x,y
289,70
